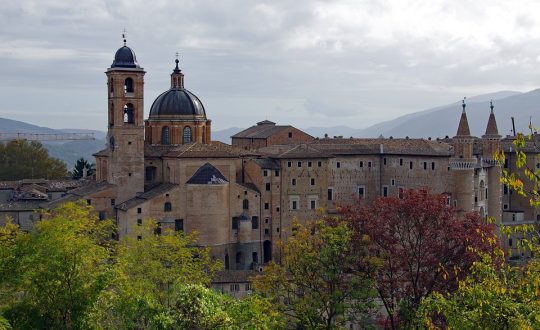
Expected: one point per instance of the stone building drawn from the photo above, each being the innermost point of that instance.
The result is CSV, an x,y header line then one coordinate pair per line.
x,y
242,198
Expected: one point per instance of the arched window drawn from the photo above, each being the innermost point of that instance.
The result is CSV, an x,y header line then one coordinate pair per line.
x,y
128,114
167,207
187,134
239,259
245,204
226,261
165,136
128,85
111,115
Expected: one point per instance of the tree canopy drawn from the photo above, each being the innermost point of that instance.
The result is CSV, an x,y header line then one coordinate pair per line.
x,y
82,169
20,159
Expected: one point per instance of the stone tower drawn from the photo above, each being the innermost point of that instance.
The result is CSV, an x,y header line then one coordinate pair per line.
x,y
462,165
125,91
491,143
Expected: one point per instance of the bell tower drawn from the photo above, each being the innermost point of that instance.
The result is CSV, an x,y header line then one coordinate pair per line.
x,y
125,102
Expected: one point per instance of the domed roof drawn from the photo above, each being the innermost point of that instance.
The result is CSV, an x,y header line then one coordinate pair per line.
x,y
177,101
125,58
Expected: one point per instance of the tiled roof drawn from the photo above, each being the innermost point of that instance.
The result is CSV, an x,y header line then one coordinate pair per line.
x,y
268,163
196,150
147,195
262,130
12,206
249,186
104,152
530,145
298,151
207,174
491,128
91,187
405,146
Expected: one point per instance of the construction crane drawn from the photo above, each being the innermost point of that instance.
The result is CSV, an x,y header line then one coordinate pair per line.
x,y
46,137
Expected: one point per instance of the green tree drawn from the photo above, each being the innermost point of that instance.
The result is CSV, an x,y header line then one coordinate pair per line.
x,y
317,284
53,274
21,159
80,167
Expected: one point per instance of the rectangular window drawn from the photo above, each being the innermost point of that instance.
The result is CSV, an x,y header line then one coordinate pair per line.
x,y
385,191
361,164
505,189
277,173
312,204
509,242
89,201
102,215
338,164
267,187
299,164
294,202
361,191
392,182
433,166
293,182
254,222
266,231
265,173
266,206
254,257
384,161
139,210
369,164
505,206
294,205
330,194
113,201
425,165
235,223
308,164
319,164
312,181
401,162
139,222
289,164
277,209
290,135
410,165
179,225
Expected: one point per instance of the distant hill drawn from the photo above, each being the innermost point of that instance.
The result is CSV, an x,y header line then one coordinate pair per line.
x,y
68,151
224,135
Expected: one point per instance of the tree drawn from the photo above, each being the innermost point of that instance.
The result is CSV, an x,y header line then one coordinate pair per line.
x,y
150,272
494,296
53,274
81,167
423,246
20,159
317,285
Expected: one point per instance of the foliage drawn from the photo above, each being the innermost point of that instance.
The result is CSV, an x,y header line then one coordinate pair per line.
x,y
52,275
493,297
317,285
80,167
423,247
21,159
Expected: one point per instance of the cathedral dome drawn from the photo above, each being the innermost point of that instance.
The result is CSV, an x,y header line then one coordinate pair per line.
x,y
178,101
125,58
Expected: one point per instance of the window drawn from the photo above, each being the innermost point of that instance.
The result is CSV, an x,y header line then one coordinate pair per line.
x,y
308,164
266,220
361,191
289,164
410,165
385,191
187,134
509,242
266,231
392,182
167,207
245,204
139,222
506,163
226,261
113,201
89,201
179,225
150,173
290,135
312,204
165,136
361,164
235,223
425,165
433,166
384,161
102,215
294,203
267,186
277,173
254,222
319,164
128,85
129,114
299,164
239,258
312,181
293,182
338,164
255,257
277,209
157,231
330,194
369,164
265,173
401,162
266,206
139,210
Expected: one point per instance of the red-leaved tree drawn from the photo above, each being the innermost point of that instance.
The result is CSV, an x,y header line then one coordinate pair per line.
x,y
422,246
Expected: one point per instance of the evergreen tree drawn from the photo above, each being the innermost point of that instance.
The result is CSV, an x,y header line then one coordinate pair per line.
x,y
81,166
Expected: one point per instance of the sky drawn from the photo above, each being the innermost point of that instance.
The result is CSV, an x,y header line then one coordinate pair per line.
x,y
304,63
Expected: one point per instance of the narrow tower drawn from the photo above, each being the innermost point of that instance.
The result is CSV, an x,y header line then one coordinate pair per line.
x,y
462,165
491,143
125,91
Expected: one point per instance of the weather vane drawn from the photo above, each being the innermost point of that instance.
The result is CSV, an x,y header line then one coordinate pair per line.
x,y
124,36
464,105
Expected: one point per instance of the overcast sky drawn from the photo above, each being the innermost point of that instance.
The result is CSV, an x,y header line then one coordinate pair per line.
x,y
306,63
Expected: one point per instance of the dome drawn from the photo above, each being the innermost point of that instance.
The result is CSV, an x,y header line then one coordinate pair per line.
x,y
177,101
125,58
